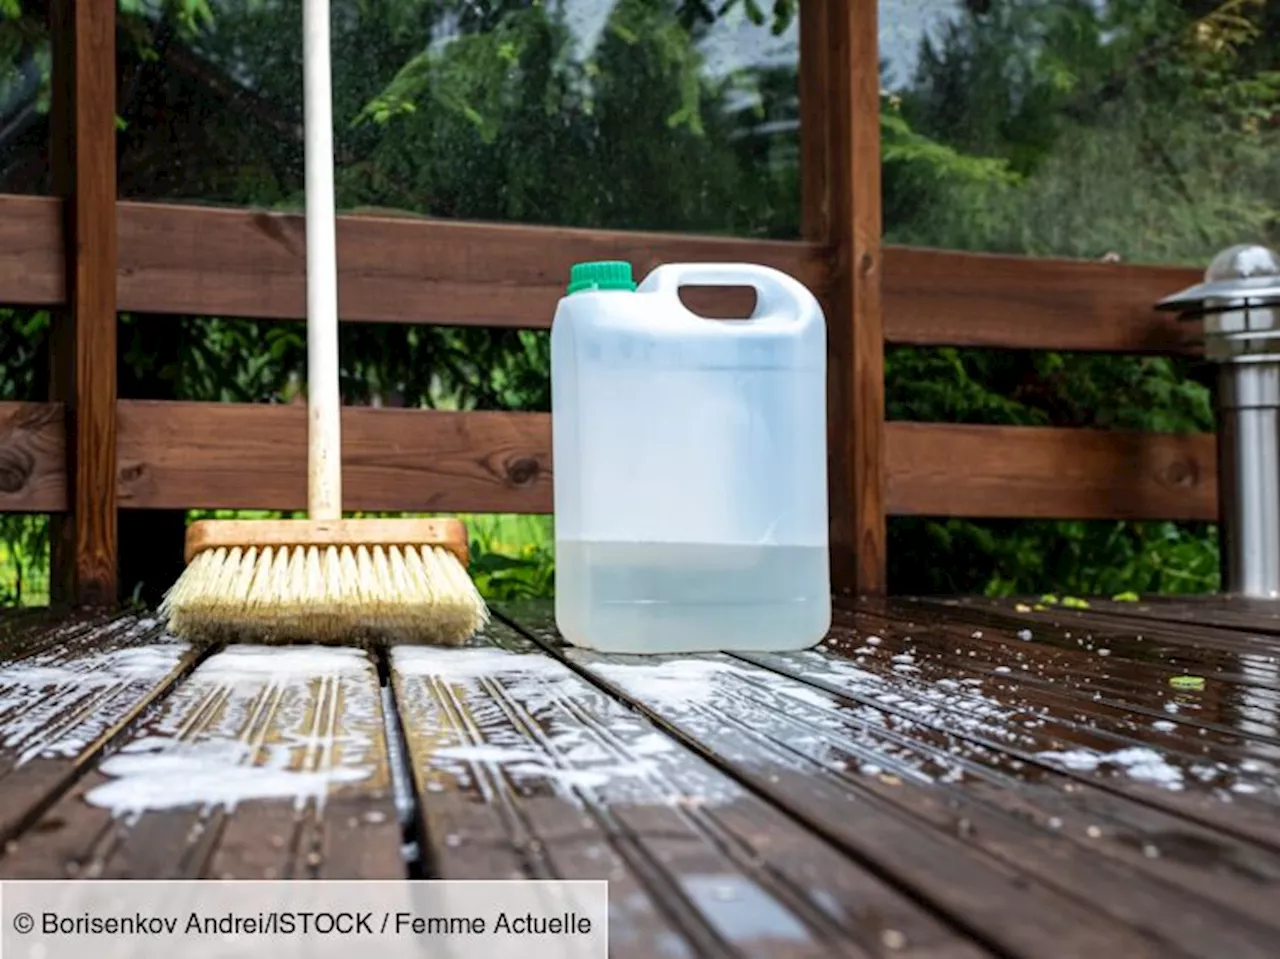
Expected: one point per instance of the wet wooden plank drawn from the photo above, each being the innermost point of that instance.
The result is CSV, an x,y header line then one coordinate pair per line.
x,y
1025,854
524,768
1215,611
1117,723
263,763
68,686
1231,625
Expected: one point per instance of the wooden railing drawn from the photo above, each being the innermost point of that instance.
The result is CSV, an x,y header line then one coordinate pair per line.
x,y
62,456
212,262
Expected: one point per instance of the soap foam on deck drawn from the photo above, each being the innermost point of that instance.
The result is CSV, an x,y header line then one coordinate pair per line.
x,y
586,740
676,684
1137,762
253,722
461,665
207,777
245,663
56,668
54,704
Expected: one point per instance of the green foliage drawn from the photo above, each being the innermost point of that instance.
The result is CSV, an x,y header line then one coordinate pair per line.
x,y
24,560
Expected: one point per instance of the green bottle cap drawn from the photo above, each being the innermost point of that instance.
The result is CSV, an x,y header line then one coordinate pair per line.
x,y
601,275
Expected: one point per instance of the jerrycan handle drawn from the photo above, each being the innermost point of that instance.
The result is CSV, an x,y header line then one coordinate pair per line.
x,y
779,298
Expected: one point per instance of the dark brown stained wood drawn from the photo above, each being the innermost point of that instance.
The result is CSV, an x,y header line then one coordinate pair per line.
x,y
250,263
1047,473
33,475
783,740
1205,755
1229,612
241,262
254,457
83,562
32,268
942,298
275,730
984,741
213,455
69,686
526,769
1218,627
855,321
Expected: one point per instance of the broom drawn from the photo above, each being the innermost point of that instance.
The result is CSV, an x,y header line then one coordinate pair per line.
x,y
324,579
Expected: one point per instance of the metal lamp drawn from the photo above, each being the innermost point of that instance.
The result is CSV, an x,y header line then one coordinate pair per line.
x,y
1238,307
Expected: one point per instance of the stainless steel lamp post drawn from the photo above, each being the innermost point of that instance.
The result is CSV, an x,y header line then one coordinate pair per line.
x,y
1238,305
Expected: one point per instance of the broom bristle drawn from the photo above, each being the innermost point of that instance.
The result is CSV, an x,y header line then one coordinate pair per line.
x,y
336,595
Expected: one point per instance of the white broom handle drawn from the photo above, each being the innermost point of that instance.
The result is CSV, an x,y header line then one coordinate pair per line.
x,y
324,438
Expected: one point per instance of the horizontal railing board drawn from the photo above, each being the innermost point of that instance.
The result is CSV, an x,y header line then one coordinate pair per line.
x,y
246,456
33,476
32,264
253,456
250,263
1048,473
941,298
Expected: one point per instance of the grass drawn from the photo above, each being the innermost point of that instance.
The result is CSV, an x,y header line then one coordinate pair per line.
x,y
512,555
24,559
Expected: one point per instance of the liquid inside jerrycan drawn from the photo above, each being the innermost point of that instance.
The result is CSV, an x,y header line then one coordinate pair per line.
x,y
690,463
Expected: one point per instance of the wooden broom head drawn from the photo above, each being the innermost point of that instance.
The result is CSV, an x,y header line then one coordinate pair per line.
x,y
207,534
339,582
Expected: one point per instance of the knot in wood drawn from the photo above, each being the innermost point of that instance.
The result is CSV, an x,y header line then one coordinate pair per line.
x,y
522,470
1183,472
16,467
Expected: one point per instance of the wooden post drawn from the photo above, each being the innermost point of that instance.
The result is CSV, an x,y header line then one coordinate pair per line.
x,y
840,179
82,351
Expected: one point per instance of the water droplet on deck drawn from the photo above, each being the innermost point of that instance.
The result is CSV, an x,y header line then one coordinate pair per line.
x,y
893,939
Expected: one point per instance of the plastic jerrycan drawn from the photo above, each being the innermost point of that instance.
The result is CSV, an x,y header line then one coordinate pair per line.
x,y
690,463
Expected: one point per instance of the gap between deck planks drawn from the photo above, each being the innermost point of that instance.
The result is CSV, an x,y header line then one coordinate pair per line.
x,y
942,784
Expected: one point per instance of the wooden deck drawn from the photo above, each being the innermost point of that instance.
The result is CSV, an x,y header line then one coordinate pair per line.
x,y
940,779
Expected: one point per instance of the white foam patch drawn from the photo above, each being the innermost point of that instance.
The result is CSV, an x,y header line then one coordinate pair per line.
x,y
209,777
461,665
1137,762
531,721
55,704
280,664
127,665
677,684
253,722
